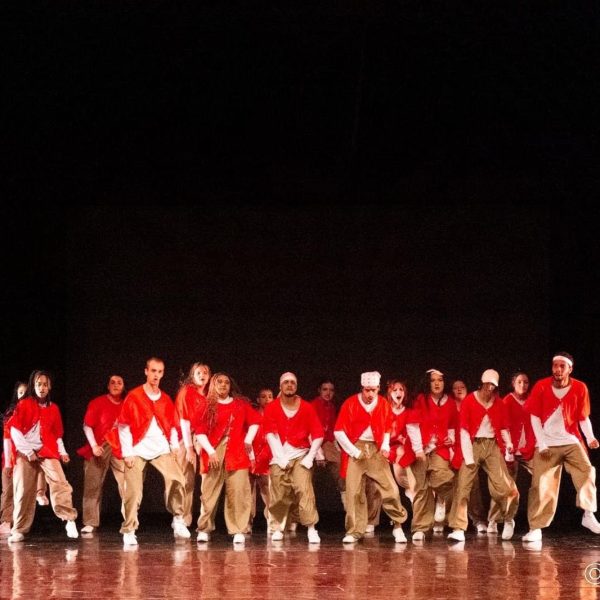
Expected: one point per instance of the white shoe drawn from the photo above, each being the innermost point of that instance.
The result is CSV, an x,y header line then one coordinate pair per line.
x,y
533,535
179,529
313,536
87,529
458,535
492,527
71,528
42,500
129,539
418,536
349,539
399,536
481,527
440,511
370,528
202,536
590,521
239,538
277,536
16,537
438,528
508,530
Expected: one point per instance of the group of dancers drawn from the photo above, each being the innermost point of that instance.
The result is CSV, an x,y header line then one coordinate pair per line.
x,y
432,445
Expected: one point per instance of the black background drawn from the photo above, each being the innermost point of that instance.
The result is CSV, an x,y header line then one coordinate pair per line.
x,y
322,187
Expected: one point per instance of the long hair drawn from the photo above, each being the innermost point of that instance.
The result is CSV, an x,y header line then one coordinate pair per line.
x,y
10,409
35,375
212,398
189,378
408,399
426,385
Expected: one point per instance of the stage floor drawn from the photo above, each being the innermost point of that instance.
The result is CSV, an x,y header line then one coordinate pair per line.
x,y
50,565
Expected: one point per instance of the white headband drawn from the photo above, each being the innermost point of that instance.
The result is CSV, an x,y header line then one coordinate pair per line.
x,y
561,357
287,375
434,372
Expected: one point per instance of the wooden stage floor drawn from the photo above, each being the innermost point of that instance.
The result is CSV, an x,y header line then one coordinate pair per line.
x,y
97,566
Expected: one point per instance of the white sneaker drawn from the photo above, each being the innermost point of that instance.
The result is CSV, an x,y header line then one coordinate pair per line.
x,y
42,500
16,537
71,528
202,536
533,535
508,530
87,529
129,539
589,520
277,536
239,538
179,529
481,527
313,536
458,535
418,536
440,511
370,528
349,539
399,536
438,528
492,527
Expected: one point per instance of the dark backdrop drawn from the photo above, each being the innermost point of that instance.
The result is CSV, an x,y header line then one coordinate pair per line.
x,y
321,187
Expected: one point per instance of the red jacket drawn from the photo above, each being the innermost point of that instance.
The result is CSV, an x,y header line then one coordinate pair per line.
x,y
28,412
232,420
353,419
437,420
298,430
399,437
262,452
518,419
575,405
101,415
189,404
326,411
472,413
137,412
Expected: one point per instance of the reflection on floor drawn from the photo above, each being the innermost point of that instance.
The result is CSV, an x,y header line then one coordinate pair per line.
x,y
50,565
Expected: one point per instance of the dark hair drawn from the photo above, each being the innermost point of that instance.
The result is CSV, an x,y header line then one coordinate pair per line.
x,y
13,401
325,380
35,375
566,355
426,384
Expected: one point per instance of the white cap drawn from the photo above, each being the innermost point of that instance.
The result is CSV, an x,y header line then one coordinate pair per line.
x,y
370,379
490,376
287,375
